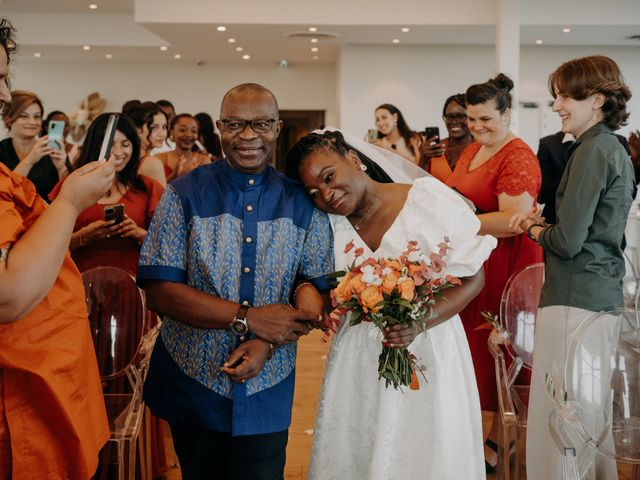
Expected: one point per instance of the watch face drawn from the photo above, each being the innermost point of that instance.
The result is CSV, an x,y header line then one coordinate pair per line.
x,y
239,327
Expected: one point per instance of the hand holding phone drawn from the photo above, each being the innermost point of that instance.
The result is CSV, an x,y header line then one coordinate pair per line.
x,y
431,146
114,212
54,134
432,134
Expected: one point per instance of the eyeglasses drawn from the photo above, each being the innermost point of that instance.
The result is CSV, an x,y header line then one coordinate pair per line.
x,y
455,116
258,125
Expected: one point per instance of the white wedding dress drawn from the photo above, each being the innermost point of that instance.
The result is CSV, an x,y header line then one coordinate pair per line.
x,y
365,431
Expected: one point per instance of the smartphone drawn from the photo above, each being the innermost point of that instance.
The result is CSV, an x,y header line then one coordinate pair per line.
x,y
114,212
105,149
431,132
54,132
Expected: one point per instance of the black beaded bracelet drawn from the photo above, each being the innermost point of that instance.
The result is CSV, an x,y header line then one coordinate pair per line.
x,y
529,234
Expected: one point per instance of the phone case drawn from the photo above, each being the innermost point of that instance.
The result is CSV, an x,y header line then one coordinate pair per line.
x,y
54,132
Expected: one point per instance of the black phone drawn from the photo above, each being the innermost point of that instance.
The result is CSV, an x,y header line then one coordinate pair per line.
x,y
114,212
430,132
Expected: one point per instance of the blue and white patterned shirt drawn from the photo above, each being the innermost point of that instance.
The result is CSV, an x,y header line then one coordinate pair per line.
x,y
244,238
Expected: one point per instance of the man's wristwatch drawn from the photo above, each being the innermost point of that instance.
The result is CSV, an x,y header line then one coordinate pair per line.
x,y
239,325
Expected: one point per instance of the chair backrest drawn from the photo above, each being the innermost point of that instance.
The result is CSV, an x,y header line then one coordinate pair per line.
x,y
518,310
117,317
602,375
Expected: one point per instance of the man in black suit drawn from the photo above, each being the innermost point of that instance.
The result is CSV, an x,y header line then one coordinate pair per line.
x,y
553,155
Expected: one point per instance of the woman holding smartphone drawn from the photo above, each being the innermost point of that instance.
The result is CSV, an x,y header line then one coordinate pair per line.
x,y
104,238
23,151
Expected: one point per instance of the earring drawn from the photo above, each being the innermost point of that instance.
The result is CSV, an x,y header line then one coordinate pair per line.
x,y
363,167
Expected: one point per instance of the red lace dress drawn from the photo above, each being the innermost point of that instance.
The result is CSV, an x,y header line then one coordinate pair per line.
x,y
514,169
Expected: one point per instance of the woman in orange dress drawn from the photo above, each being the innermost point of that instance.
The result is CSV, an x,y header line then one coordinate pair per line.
x,y
178,162
52,416
440,158
500,174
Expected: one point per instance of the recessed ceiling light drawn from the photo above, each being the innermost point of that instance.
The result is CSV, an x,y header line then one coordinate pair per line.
x,y
221,28
108,56
86,47
177,56
93,6
566,30
539,41
231,40
164,48
405,29
315,57
314,40
395,40
239,49
246,57
314,49
313,29
37,54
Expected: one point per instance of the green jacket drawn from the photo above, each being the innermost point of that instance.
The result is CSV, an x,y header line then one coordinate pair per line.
x,y
584,261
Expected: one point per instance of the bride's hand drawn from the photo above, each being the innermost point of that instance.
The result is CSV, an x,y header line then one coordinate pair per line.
x,y
400,336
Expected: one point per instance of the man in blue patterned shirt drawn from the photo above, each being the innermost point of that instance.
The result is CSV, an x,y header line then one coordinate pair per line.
x,y
226,245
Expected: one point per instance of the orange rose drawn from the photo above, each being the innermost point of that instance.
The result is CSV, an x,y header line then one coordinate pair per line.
x,y
415,269
370,298
389,282
394,264
356,284
407,289
343,291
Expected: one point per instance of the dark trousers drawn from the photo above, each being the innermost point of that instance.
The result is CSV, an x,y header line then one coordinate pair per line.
x,y
206,455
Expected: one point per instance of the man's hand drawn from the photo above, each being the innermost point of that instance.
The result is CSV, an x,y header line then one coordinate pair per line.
x,y
279,323
247,360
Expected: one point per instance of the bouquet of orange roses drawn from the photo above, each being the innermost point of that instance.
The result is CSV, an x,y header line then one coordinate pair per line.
x,y
390,292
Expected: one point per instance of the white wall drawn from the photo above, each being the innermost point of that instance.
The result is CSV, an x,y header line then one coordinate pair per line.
x,y
191,88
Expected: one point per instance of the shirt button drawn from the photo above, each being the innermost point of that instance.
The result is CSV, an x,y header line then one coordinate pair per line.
x,y
251,181
246,269
248,239
249,208
245,302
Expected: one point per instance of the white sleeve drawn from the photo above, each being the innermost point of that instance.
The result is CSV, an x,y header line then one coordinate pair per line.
x,y
434,212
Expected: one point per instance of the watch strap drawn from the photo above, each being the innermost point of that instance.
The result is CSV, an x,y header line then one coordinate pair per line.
x,y
529,234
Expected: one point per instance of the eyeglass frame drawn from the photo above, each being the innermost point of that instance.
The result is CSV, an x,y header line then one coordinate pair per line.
x,y
245,122
451,117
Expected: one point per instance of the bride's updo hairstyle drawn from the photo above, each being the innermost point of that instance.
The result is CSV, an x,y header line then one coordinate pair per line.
x,y
582,77
333,142
498,89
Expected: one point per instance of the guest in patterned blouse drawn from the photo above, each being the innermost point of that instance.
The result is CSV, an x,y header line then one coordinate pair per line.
x,y
229,245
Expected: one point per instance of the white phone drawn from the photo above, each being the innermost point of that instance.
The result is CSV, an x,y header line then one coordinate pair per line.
x,y
109,133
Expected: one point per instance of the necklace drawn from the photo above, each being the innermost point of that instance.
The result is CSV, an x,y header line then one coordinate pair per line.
x,y
366,214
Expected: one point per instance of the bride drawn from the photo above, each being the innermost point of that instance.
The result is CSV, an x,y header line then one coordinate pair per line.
x,y
363,430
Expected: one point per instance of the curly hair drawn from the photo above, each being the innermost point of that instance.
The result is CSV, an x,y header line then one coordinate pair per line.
x,y
582,77
7,37
333,142
498,89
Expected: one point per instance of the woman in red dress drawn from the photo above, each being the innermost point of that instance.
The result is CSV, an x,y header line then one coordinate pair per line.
x,y
500,174
96,242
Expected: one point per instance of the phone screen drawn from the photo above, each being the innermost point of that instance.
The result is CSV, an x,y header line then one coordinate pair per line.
x,y
54,132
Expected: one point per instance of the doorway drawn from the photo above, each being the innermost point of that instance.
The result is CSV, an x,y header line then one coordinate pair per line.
x,y
296,124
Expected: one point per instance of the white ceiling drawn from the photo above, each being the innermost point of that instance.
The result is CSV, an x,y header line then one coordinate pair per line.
x,y
57,29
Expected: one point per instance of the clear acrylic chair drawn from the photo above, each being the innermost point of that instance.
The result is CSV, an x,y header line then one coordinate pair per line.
x,y
515,335
596,426
117,316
